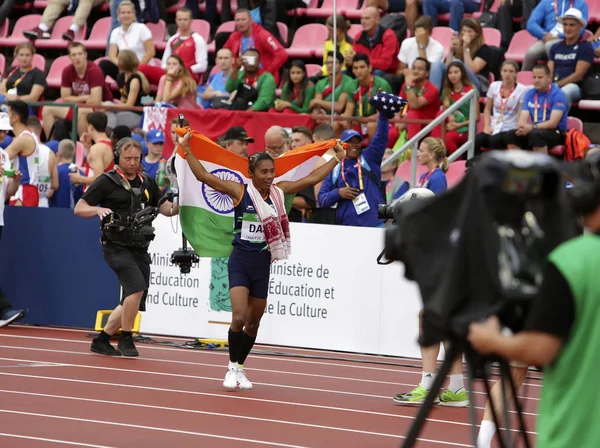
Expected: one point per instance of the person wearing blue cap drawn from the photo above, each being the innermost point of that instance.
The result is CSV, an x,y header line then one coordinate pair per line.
x,y
355,185
155,140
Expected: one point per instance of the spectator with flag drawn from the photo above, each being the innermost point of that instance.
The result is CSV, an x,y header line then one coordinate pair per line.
x,y
261,230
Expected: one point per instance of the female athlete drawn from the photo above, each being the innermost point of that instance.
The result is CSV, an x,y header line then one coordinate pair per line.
x,y
260,236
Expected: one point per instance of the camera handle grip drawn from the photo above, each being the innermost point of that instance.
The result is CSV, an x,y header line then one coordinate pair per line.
x,y
380,257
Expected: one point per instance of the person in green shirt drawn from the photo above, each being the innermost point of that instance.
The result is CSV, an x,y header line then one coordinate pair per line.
x,y
562,332
255,87
363,87
297,92
324,93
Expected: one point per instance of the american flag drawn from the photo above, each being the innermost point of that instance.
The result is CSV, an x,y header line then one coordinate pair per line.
x,y
388,104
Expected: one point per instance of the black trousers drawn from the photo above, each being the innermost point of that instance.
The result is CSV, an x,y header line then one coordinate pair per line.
x,y
4,303
496,141
505,14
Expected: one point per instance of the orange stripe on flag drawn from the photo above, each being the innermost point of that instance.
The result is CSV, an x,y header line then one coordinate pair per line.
x,y
207,150
298,156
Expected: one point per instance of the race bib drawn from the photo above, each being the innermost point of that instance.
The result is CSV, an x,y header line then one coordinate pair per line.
x,y
252,232
360,204
44,185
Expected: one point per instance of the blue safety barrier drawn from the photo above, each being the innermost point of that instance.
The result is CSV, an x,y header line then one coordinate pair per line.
x,y
51,265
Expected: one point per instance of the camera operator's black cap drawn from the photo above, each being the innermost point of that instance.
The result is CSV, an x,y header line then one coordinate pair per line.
x,y
238,133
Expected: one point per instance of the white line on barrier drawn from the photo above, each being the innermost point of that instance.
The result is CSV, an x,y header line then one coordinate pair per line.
x,y
150,428
216,414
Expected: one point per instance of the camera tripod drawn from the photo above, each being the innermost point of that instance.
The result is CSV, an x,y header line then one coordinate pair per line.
x,y
476,368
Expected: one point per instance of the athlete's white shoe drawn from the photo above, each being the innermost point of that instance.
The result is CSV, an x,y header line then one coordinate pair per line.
x,y
231,378
242,381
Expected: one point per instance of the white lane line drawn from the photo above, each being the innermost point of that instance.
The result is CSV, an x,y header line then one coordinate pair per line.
x,y
234,397
150,428
217,414
43,439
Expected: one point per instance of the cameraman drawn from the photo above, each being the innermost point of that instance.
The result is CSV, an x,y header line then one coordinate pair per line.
x,y
124,191
562,332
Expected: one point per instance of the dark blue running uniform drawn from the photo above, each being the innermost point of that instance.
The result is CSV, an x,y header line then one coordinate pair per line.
x,y
250,260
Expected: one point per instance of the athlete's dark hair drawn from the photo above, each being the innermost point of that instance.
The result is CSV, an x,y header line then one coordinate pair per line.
x,y
256,158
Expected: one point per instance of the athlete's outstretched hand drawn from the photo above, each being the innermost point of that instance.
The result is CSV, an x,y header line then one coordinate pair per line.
x,y
185,141
340,152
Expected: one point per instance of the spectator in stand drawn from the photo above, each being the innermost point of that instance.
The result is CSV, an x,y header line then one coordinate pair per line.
x,y
355,184
301,136
189,46
325,215
24,82
546,107
423,97
132,36
82,83
236,140
595,41
469,47
378,43
503,104
508,10
47,180
456,85
456,8
321,103
365,85
177,87
277,141
409,7
54,10
283,6
67,194
155,140
215,91
304,201
543,25
422,45
297,92
254,86
344,42
388,176
263,13
133,86
571,59
252,36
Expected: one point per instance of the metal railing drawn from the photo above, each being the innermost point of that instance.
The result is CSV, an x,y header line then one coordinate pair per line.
x,y
413,143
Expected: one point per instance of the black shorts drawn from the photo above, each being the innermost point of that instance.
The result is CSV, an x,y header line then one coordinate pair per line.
x,y
250,270
132,268
537,138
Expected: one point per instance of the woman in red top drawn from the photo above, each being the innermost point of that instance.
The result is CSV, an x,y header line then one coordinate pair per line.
x,y
456,84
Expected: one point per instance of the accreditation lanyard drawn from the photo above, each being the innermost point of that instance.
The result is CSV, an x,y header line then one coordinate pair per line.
x,y
535,113
360,96
426,178
360,179
125,181
563,9
504,101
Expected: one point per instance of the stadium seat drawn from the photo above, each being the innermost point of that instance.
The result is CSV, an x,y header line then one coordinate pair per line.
x,y
492,37
227,27
519,44
525,78
403,170
308,41
60,27
572,123
202,27
355,13
283,32
39,61
443,34
355,29
327,9
158,31
178,5
312,69
112,84
456,171
300,12
40,4
594,11
4,29
54,77
23,23
2,65
98,35
589,104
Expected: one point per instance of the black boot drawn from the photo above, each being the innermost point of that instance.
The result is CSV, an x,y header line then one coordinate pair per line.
x,y
103,347
126,345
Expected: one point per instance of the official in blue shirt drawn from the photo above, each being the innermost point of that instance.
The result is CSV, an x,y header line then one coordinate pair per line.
x,y
355,184
543,24
571,59
543,118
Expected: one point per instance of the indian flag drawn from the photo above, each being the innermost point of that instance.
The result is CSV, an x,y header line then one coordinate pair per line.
x,y
206,215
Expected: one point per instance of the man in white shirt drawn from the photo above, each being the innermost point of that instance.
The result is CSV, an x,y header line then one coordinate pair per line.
x,y
47,168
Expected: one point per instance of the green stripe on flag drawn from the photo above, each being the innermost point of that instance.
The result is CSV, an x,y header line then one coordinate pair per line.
x,y
207,232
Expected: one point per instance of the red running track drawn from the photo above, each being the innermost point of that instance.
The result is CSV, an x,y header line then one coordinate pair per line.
x,y
54,392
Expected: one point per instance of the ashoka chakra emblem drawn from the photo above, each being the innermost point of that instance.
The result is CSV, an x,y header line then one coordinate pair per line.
x,y
219,202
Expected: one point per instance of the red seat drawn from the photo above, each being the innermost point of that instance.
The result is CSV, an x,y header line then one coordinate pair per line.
x,y
308,41
519,44
355,29
403,170
355,13
39,61
27,22
227,27
283,32
40,4
178,5
4,29
312,4
327,9
589,104
2,65
492,37
54,77
443,34
312,69
456,171
159,31
98,35
572,123
594,12
60,27
202,27
525,78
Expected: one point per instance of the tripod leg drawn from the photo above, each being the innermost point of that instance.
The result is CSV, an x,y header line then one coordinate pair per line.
x,y
518,408
495,416
473,414
415,429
